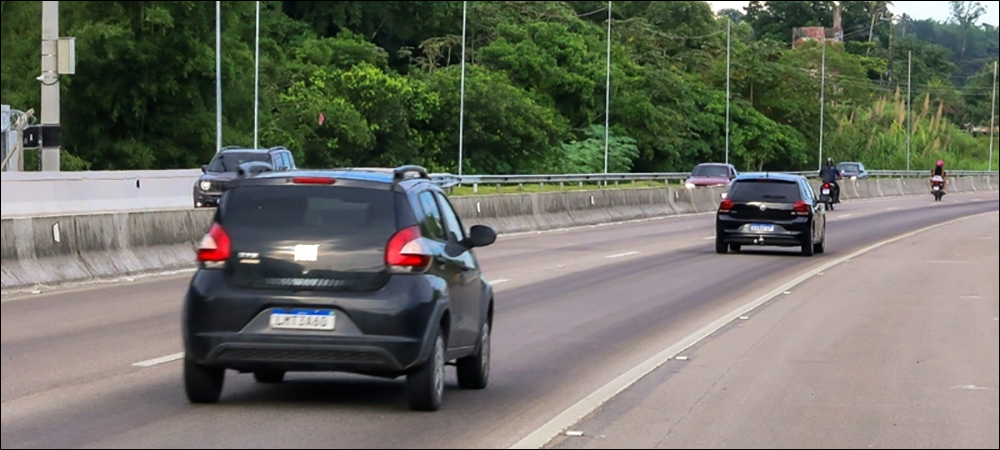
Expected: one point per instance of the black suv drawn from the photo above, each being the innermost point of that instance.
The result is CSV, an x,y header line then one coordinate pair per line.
x,y
771,210
363,271
225,168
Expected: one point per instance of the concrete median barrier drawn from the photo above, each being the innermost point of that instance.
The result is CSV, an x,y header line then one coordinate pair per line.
x,y
51,250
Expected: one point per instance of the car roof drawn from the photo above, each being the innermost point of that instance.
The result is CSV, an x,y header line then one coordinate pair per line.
x,y
770,176
370,175
261,151
713,165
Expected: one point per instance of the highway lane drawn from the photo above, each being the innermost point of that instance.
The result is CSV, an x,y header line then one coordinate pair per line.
x,y
897,349
580,308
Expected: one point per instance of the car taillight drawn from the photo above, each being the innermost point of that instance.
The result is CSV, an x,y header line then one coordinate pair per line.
x,y
726,206
216,246
316,181
801,208
407,253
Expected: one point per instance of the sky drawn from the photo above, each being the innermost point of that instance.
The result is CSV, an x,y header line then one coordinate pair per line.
x,y
939,10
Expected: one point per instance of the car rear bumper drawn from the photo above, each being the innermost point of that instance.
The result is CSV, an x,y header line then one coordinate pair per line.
x,y
387,333
786,235
379,356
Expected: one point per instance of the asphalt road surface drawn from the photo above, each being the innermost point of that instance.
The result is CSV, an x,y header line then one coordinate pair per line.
x,y
98,367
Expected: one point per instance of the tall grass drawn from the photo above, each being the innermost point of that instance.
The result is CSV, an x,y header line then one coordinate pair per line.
x,y
876,136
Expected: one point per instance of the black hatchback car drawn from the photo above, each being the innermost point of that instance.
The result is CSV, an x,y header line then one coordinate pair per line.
x,y
771,210
225,168
366,272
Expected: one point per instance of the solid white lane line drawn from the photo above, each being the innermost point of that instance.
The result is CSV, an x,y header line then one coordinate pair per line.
x,y
622,255
541,437
159,361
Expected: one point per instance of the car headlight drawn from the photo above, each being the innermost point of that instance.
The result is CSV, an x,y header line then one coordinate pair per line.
x,y
689,185
206,185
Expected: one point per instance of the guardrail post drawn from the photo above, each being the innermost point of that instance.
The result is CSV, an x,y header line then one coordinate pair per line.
x,y
475,188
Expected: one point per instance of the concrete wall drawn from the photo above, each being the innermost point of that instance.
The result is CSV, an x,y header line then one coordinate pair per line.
x,y
57,249
33,194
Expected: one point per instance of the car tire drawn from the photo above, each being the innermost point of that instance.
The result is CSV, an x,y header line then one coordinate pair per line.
x,y
736,248
269,377
474,371
721,248
426,385
203,385
809,250
820,248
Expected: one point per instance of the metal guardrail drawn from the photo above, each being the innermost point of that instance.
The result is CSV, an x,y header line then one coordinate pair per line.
x,y
647,177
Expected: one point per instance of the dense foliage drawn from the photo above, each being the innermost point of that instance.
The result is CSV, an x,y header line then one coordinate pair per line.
x,y
385,77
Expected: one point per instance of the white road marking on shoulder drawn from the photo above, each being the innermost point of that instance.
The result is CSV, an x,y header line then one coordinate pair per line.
x,y
159,361
622,255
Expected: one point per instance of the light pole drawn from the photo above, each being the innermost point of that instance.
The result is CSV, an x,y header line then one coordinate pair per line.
x,y
729,50
909,109
993,118
607,102
461,113
218,76
822,104
256,85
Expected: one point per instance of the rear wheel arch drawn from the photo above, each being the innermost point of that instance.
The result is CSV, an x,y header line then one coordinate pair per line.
x,y
445,326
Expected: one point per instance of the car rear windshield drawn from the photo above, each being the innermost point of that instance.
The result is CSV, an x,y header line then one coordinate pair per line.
x,y
764,191
348,229
853,168
711,171
231,161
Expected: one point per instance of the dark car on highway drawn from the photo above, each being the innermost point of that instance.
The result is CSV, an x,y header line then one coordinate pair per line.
x,y
771,210
711,175
853,171
363,271
225,167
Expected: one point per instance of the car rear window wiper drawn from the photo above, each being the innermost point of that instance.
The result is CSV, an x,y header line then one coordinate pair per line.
x,y
775,197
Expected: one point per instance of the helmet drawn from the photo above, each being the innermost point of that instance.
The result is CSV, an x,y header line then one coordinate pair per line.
x,y
829,161
940,163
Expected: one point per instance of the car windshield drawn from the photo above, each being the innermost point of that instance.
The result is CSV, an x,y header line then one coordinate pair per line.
x,y
774,191
711,172
231,161
849,168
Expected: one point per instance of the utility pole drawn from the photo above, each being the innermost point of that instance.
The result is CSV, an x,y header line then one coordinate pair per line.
x,y
993,118
822,104
729,73
51,130
909,109
607,102
461,112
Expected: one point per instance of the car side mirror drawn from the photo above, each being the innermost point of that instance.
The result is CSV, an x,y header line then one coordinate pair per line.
x,y
480,236
204,169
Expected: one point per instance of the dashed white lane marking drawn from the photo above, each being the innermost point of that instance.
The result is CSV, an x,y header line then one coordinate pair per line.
x,y
622,255
894,208
159,361
570,417
498,282
972,387
845,216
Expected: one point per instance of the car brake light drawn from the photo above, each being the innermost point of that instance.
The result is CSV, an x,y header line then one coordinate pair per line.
x,y
216,246
801,208
406,252
726,206
314,181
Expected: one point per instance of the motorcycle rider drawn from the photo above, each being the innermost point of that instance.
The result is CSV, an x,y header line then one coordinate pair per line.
x,y
830,174
939,171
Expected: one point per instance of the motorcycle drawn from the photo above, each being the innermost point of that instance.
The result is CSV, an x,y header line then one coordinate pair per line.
x,y
937,188
826,196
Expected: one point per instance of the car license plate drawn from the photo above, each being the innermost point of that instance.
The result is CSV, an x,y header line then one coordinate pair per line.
x,y
826,192
762,228
303,319
937,188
